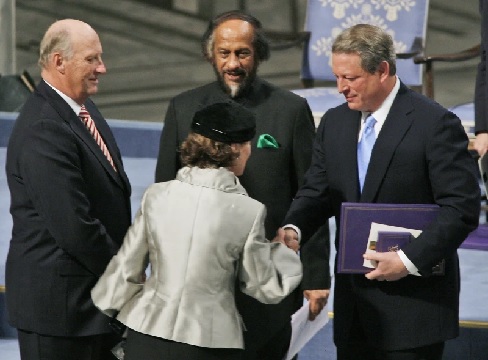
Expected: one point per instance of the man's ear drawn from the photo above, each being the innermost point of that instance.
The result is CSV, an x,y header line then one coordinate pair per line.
x,y
384,70
59,62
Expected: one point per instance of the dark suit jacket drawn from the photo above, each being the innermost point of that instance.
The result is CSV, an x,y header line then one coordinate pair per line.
x,y
420,156
481,89
70,212
272,176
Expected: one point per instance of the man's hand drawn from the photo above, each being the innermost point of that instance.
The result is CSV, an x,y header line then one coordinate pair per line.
x,y
287,237
481,143
317,299
390,266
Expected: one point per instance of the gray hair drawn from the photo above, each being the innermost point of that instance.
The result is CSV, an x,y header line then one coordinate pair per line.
x,y
260,43
55,41
371,43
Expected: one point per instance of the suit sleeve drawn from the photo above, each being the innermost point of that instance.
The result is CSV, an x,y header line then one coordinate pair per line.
x,y
168,162
315,254
51,171
122,279
309,209
452,174
267,271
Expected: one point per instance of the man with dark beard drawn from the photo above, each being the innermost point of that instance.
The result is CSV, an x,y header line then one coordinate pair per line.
x,y
235,45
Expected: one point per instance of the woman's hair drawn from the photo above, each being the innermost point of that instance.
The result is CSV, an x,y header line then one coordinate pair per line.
x,y
371,43
200,151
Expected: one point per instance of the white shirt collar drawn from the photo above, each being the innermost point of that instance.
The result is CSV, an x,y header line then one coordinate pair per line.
x,y
382,112
73,104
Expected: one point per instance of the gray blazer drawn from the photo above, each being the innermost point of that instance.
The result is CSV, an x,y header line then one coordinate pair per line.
x,y
198,232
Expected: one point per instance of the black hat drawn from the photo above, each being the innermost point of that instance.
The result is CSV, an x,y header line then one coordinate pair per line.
x,y
227,122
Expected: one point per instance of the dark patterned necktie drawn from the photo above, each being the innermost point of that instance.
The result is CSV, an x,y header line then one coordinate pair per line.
x,y
90,125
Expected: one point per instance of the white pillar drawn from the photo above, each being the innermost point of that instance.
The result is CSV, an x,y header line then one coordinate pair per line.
x,y
8,57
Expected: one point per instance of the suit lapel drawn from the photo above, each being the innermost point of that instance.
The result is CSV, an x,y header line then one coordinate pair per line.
x,y
396,125
349,143
80,130
66,113
103,128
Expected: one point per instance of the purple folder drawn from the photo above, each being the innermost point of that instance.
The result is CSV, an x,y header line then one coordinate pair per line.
x,y
356,219
392,241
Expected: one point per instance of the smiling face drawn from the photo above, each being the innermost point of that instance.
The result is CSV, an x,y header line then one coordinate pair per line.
x,y
363,91
71,59
84,67
233,55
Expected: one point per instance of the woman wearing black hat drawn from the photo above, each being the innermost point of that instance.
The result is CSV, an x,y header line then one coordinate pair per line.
x,y
199,232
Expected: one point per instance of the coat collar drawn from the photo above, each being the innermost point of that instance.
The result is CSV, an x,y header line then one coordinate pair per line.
x,y
352,124
396,125
67,114
219,179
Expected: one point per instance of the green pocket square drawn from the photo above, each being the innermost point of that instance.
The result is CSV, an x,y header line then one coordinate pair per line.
x,y
267,141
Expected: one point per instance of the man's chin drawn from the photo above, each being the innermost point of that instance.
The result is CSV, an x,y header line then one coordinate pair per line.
x,y
353,106
92,90
234,89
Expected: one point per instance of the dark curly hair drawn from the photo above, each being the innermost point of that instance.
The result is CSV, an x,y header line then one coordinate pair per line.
x,y
200,151
260,43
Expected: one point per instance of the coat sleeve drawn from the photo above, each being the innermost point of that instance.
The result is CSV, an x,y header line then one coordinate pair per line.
x,y
123,277
315,254
453,179
168,162
267,271
309,209
50,169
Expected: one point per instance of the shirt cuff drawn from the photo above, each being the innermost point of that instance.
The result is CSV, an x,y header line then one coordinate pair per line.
x,y
412,269
291,226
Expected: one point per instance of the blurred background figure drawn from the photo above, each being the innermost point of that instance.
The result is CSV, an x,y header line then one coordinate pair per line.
x,y
481,89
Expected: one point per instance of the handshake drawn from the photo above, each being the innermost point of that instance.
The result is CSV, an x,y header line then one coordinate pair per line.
x,y
288,237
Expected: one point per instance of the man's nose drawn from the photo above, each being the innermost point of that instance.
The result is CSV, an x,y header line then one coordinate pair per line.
x,y
341,86
234,62
101,69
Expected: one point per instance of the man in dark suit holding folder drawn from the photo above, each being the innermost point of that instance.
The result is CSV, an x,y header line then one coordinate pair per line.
x,y
413,151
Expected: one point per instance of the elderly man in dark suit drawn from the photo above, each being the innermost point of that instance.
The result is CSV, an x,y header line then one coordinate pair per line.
x,y
419,156
235,46
70,203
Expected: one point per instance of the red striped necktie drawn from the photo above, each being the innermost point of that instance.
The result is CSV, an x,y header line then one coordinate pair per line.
x,y
90,125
